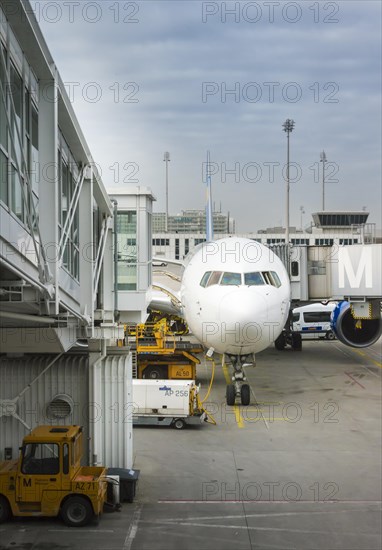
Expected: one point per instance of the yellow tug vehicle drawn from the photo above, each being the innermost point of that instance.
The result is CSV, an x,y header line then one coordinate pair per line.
x,y
48,479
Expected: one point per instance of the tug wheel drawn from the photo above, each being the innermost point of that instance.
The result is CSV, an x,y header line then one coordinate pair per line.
x,y
76,512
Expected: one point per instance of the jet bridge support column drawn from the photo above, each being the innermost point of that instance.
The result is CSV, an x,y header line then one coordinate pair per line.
x,y
48,171
87,245
110,406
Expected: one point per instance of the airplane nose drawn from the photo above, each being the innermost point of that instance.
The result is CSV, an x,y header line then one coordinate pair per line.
x,y
242,314
244,307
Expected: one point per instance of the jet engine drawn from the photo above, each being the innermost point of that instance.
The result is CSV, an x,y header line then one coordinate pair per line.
x,y
354,330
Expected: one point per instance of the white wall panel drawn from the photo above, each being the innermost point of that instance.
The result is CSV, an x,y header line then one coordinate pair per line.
x,y
68,375
112,442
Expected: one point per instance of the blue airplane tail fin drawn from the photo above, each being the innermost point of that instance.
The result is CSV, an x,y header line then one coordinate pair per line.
x,y
209,217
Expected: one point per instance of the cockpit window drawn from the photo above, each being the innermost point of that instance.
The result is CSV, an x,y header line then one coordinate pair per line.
x,y
231,278
254,278
271,278
276,279
205,278
214,279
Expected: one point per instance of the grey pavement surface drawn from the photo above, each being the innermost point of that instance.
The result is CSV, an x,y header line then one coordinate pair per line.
x,y
300,468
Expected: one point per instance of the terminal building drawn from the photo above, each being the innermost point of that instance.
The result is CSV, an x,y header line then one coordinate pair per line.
x,y
192,221
326,229
133,259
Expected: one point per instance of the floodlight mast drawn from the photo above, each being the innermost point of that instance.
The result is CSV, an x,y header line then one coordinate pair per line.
x,y
166,159
287,127
302,211
323,160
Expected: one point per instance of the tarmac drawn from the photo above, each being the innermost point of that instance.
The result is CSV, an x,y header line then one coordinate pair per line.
x,y
299,469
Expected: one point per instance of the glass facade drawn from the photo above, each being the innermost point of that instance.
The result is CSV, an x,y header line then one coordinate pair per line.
x,y
348,241
3,123
190,221
19,140
275,241
68,175
300,241
127,250
324,242
161,242
338,219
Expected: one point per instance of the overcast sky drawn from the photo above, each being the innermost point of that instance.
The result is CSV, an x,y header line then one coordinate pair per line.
x,y
153,76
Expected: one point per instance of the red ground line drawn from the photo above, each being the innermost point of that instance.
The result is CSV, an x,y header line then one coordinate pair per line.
x,y
354,380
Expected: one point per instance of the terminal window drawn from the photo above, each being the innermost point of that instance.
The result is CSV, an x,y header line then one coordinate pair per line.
x,y
20,135
127,250
67,183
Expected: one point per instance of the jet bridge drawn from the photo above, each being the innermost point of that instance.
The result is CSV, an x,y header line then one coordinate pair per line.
x,y
350,275
56,219
356,277
352,272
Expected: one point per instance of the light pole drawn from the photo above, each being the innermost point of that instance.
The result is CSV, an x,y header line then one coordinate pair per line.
x,y
323,160
302,211
288,127
166,159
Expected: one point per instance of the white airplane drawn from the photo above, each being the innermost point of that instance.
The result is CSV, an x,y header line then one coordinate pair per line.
x,y
235,298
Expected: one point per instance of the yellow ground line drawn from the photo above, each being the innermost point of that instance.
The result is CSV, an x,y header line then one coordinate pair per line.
x,y
270,419
363,354
270,402
236,409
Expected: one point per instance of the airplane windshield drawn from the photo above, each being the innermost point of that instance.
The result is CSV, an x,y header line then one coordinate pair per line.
x,y
276,279
214,279
231,278
205,278
271,278
226,278
253,279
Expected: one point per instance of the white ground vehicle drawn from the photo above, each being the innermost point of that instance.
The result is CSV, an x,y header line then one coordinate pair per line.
x,y
313,320
167,403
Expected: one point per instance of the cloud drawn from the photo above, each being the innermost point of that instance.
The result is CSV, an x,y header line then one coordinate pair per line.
x,y
322,73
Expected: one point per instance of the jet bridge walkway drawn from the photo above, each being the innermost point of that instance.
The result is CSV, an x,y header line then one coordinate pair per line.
x,y
350,275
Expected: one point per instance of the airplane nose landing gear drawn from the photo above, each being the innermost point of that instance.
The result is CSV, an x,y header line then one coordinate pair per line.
x,y
239,388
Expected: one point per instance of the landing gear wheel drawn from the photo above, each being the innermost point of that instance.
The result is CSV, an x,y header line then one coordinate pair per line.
x,y
230,395
245,394
330,335
179,424
76,512
280,342
5,510
296,341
